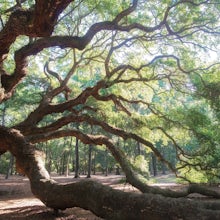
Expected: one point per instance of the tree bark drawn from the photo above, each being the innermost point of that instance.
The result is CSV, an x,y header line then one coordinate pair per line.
x,y
94,163
77,158
154,164
67,164
89,162
10,167
106,163
131,177
101,200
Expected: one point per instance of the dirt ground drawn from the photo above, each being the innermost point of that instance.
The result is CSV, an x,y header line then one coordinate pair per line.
x,y
18,203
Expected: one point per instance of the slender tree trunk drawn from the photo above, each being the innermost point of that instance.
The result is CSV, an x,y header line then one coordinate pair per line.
x,y
154,164
77,159
63,163
10,167
106,162
57,167
60,164
89,162
94,163
3,124
162,164
117,172
67,163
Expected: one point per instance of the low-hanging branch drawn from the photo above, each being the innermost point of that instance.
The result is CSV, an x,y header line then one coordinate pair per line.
x,y
156,27
101,200
34,132
131,177
45,107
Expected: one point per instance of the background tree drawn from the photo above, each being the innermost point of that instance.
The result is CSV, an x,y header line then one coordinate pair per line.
x,y
135,72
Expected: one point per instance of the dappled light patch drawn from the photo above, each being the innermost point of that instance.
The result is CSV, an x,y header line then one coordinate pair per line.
x,y
18,203
21,205
130,87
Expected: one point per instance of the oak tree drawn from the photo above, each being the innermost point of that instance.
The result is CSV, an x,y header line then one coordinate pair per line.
x,y
120,67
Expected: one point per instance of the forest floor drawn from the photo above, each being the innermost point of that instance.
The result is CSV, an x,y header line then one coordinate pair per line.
x,y
18,203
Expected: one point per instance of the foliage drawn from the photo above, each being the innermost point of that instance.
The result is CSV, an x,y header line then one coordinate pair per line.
x,y
156,62
4,163
142,165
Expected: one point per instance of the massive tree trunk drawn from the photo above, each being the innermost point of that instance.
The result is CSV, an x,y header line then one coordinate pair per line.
x,y
39,21
101,200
